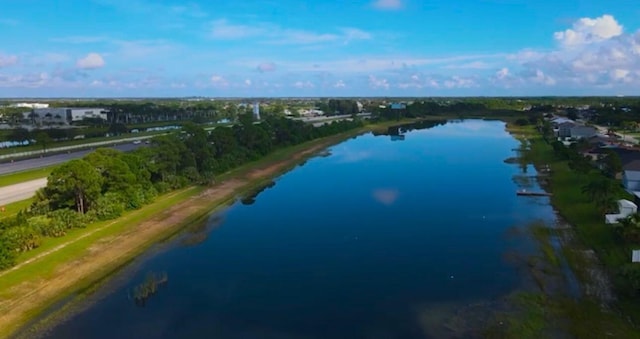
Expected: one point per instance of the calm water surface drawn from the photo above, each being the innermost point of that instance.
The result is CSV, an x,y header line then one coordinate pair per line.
x,y
382,239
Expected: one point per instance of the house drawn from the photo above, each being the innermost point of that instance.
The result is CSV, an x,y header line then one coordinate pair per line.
x,y
582,132
564,129
635,256
625,209
631,178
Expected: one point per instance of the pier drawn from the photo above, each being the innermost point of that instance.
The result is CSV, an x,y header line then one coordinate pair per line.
x,y
532,194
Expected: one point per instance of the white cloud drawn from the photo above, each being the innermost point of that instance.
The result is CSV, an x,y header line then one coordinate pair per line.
x,y
596,53
470,65
276,35
459,82
266,67
219,81
378,64
91,61
8,60
388,4
376,83
303,84
502,73
587,30
80,39
248,82
32,80
339,84
222,29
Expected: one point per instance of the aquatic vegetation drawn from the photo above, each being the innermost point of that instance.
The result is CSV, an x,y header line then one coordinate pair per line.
x,y
150,286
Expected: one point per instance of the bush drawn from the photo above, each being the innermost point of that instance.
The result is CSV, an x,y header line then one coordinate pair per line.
x,y
68,218
7,253
22,238
107,207
46,226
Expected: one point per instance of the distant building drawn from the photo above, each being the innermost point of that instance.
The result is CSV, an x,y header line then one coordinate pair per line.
x,y
30,105
564,129
582,132
631,176
256,110
61,115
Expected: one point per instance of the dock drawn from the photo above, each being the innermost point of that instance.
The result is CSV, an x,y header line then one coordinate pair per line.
x,y
533,194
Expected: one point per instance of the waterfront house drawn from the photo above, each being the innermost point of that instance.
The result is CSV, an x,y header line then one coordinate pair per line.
x,y
631,178
564,129
625,209
582,132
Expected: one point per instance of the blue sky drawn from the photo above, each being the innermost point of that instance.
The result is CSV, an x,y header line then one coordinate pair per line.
x,y
218,48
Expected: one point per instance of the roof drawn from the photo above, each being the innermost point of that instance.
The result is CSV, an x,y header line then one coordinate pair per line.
x,y
632,166
566,124
560,120
626,203
632,175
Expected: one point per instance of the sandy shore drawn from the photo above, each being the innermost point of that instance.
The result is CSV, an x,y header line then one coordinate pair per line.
x,y
33,295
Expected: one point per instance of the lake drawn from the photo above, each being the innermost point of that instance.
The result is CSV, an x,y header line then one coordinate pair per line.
x,y
407,234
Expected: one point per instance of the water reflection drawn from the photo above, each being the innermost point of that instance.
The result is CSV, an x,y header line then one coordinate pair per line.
x,y
250,197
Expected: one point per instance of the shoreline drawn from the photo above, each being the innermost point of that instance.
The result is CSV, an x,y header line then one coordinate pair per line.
x,y
596,308
106,255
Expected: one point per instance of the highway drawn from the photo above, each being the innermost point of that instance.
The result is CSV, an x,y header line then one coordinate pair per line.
x,y
23,165
21,191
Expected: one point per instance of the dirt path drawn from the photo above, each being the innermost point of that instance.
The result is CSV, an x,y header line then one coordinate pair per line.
x,y
107,254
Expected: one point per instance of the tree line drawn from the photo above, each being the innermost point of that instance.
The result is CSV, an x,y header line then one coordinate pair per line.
x,y
106,183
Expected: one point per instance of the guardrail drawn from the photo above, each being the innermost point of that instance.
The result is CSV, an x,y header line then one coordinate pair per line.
x,y
72,147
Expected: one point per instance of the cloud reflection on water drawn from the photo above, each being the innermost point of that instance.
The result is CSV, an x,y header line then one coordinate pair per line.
x,y
386,196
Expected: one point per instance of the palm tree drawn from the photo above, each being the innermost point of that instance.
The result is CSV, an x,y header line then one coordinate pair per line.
x,y
629,228
601,192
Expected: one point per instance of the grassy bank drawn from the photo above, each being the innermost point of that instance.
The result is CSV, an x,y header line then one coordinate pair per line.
x,y
28,175
594,314
62,266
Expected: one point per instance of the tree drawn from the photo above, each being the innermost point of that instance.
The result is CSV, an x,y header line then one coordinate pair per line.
x,y
612,163
74,184
20,134
44,140
601,191
117,177
629,228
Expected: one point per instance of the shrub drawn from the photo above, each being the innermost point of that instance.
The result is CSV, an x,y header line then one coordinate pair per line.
x,y
7,253
108,206
46,226
22,238
68,218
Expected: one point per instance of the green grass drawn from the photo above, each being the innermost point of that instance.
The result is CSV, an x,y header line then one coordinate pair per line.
x,y
15,207
543,235
18,177
539,316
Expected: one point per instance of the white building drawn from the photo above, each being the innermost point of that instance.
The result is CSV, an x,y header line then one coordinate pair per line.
x,y
625,209
63,115
30,105
78,114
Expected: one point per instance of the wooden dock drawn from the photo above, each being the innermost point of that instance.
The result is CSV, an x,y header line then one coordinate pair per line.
x,y
532,194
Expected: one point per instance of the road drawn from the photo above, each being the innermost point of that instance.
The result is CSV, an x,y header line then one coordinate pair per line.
x,y
23,165
624,138
21,191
